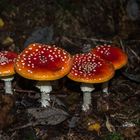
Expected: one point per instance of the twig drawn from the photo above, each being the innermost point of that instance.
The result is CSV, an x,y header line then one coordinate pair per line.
x,y
94,39
130,96
128,41
84,38
134,54
31,124
68,40
97,40
24,91
122,45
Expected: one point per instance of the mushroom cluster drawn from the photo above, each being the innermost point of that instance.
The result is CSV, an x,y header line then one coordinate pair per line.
x,y
97,66
43,63
7,60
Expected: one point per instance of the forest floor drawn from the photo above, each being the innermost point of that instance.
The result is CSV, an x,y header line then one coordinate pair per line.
x,y
71,25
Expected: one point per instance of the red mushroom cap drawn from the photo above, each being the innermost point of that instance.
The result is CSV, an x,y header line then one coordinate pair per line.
x,y
43,62
113,54
89,68
7,59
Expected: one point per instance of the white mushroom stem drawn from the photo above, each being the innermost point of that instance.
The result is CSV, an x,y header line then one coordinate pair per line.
x,y
45,88
105,87
8,84
86,88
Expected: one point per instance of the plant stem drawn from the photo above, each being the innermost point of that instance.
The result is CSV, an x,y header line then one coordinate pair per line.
x,y
105,87
86,88
45,88
8,84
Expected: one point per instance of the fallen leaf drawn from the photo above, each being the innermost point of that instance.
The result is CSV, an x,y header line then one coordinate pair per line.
x,y
109,126
94,127
40,35
131,132
73,122
48,115
1,23
7,41
4,136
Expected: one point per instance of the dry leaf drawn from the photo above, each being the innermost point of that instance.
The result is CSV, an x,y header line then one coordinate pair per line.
x,y
1,23
6,105
48,115
7,41
109,126
131,132
94,127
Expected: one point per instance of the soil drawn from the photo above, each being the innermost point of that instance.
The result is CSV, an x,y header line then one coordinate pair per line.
x,y
77,26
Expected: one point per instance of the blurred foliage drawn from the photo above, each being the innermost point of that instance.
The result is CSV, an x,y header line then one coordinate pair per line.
x,y
66,5
6,5
114,136
71,6
136,121
1,23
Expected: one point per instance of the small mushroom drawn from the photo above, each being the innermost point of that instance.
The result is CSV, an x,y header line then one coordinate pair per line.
x,y
7,59
43,63
113,54
89,69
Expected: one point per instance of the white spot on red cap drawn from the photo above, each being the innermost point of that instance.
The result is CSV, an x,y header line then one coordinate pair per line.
x,y
5,59
43,56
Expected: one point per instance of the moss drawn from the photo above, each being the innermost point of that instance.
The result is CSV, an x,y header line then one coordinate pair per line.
x,y
114,136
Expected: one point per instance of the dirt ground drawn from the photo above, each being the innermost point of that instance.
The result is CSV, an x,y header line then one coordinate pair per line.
x,y
77,26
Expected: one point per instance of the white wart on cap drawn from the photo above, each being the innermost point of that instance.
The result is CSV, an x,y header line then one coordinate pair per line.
x,y
112,54
43,62
89,68
7,59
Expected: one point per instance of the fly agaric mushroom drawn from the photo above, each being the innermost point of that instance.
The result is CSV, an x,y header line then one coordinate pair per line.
x,y
7,59
89,69
43,63
112,54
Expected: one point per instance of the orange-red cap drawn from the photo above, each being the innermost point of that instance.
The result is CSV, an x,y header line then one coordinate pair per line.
x,y
43,62
112,54
7,59
89,68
